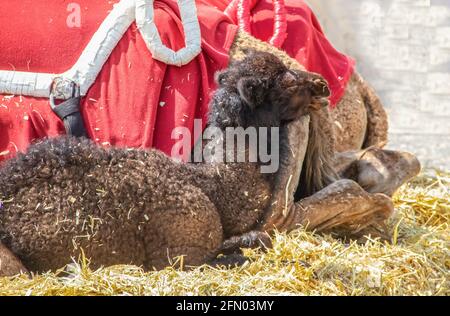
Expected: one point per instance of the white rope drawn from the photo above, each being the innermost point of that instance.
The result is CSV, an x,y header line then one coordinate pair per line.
x,y
99,48
25,83
146,24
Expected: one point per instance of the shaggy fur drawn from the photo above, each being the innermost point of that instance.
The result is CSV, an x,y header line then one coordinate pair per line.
x,y
68,196
350,119
360,120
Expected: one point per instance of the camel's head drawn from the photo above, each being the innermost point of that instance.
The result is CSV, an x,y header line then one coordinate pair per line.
x,y
261,91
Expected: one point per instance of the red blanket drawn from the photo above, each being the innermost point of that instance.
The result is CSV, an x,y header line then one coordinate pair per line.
x,y
136,101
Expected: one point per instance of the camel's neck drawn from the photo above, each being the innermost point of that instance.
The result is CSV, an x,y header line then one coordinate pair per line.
x,y
279,186
237,173
239,191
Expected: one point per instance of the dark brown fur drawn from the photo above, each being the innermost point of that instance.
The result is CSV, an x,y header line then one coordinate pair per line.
x,y
141,207
317,169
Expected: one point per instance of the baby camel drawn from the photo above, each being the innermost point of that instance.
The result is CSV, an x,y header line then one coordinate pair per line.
x,y
67,195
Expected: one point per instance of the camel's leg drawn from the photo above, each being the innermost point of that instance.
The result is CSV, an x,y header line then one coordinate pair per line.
x,y
293,144
191,230
343,208
378,170
230,255
9,264
253,239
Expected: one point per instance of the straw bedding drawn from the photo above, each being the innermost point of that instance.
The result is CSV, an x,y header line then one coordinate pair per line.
x,y
301,263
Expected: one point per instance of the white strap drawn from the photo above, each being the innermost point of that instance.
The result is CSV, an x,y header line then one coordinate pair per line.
x,y
99,48
25,83
146,24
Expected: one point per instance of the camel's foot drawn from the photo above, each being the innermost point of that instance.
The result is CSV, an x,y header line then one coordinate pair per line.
x,y
376,231
343,208
230,255
9,264
253,239
378,170
229,261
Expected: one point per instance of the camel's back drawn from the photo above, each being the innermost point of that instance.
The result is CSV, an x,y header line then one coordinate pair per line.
x,y
66,194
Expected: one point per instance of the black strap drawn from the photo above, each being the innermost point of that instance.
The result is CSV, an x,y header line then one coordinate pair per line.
x,y
69,112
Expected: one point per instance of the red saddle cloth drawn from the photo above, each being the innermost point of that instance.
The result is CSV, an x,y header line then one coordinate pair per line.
x,y
136,101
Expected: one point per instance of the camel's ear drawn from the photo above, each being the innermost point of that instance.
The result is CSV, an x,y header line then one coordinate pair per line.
x,y
251,90
319,87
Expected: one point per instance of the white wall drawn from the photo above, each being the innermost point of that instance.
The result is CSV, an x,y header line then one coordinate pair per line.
x,y
403,49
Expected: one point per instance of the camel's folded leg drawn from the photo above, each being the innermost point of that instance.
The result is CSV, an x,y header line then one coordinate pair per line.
x,y
378,170
342,208
230,254
9,264
291,153
253,239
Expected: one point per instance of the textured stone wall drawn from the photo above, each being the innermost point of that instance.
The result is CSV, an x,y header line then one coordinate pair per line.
x,y
403,49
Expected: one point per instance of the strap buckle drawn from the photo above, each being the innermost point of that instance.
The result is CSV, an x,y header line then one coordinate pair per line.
x,y
69,109
63,88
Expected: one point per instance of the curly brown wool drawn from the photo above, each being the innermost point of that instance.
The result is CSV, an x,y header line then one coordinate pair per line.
x,y
68,196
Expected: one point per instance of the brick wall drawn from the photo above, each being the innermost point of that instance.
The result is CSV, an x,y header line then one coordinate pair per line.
x,y
403,49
